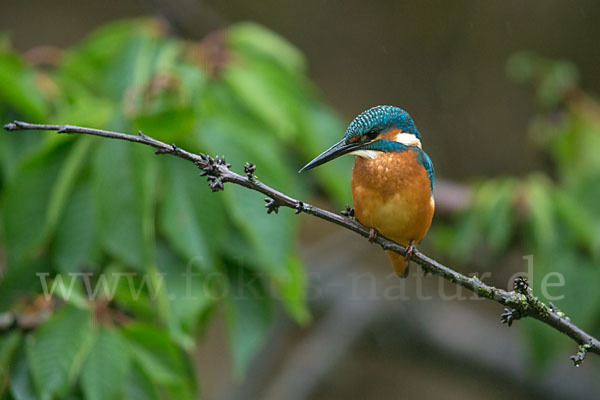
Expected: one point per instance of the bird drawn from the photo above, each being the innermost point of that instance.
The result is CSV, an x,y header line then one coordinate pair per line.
x,y
392,178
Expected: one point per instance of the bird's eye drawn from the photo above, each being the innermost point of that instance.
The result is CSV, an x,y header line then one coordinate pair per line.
x,y
371,135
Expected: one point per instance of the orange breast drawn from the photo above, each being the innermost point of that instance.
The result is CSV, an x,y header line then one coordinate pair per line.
x,y
391,193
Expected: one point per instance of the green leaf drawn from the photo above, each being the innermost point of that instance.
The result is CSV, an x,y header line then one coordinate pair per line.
x,y
131,293
114,58
76,238
19,280
572,145
57,350
156,354
9,342
166,122
84,108
164,107
187,295
105,369
544,343
191,216
500,222
579,221
255,41
65,180
258,93
26,203
577,296
553,78
292,291
541,215
520,66
569,281
138,386
249,315
18,87
321,128
21,384
465,236
271,236
124,181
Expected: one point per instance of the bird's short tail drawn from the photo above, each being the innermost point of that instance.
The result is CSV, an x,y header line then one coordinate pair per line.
x,y
400,265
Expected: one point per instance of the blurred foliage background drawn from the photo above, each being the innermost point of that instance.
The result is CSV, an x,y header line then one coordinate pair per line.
x,y
551,214
99,216
73,204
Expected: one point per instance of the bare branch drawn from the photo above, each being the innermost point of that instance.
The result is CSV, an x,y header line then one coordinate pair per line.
x,y
519,303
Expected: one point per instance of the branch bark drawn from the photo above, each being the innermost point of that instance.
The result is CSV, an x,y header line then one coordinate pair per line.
x,y
519,303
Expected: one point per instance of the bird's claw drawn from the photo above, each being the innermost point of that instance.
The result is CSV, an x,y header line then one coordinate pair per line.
x,y
409,251
372,235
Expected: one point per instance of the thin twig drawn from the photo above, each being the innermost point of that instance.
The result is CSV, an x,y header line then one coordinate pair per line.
x,y
520,303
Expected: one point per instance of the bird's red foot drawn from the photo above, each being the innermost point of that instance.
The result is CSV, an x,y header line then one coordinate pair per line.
x,y
372,235
409,250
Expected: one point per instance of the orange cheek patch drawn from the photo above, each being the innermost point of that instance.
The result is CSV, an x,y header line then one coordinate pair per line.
x,y
390,134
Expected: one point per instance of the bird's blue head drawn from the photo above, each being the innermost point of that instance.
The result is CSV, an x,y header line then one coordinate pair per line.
x,y
379,119
381,128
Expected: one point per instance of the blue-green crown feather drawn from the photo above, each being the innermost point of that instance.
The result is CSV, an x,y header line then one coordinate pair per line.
x,y
379,119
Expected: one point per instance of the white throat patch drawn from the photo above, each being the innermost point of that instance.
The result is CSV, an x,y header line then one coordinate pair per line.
x,y
408,139
368,154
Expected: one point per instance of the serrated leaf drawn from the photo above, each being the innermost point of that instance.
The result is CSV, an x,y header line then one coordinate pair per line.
x,y
57,349
105,369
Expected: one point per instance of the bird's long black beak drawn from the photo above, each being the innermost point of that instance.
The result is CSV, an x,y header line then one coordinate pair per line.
x,y
338,149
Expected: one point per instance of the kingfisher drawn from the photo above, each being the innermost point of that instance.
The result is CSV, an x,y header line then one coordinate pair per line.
x,y
392,178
